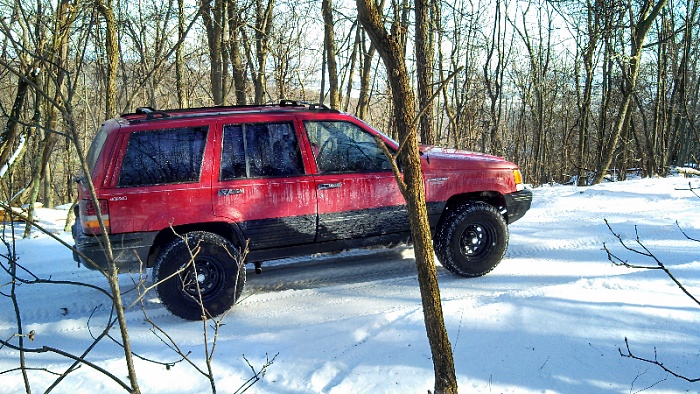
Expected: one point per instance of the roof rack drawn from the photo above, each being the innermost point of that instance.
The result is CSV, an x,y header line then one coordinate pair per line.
x,y
311,106
151,113
283,105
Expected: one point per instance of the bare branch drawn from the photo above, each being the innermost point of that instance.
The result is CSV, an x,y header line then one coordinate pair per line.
x,y
257,375
628,353
644,251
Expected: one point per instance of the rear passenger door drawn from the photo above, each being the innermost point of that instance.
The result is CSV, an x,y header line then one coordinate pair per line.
x,y
262,185
160,167
357,192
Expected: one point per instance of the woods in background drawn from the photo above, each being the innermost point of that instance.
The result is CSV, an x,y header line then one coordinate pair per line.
x,y
571,90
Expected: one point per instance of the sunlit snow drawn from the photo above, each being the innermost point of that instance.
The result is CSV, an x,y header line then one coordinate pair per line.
x,y
549,319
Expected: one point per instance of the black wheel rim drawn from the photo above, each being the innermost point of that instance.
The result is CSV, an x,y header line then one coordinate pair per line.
x,y
476,240
209,278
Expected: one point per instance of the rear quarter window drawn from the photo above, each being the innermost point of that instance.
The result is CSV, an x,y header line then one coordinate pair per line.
x,y
161,157
96,147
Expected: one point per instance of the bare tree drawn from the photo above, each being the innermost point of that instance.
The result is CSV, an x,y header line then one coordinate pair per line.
x,y
391,47
329,50
238,67
263,26
494,72
365,74
641,24
213,17
425,31
106,10
539,51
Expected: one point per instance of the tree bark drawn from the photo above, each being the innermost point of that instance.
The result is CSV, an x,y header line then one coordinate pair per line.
x,y
182,98
424,68
593,36
213,19
10,132
391,48
639,32
239,73
365,81
493,79
329,51
104,7
263,26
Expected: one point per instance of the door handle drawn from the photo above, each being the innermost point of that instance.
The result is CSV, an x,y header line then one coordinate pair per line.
x,y
326,186
229,192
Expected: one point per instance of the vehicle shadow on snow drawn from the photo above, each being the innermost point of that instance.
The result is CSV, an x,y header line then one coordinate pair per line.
x,y
328,270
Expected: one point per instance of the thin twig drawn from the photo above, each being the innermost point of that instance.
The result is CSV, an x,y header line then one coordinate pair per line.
x,y
628,353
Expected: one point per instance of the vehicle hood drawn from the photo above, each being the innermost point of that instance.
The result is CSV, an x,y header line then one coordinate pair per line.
x,y
447,158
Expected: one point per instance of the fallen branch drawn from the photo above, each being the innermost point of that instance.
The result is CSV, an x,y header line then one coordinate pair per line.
x,y
628,353
643,251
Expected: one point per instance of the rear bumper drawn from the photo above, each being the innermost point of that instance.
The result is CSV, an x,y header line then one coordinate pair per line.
x,y
130,250
517,204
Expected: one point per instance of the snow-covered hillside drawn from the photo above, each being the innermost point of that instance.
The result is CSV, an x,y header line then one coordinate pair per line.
x,y
550,318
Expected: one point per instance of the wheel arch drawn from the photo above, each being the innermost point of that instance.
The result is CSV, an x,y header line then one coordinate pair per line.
x,y
230,231
492,198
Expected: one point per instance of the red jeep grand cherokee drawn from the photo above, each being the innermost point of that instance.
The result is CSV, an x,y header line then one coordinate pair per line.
x,y
284,180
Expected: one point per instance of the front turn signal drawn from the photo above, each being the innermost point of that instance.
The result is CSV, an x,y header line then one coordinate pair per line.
x,y
518,178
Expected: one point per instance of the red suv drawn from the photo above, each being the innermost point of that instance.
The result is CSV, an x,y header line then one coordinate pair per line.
x,y
278,180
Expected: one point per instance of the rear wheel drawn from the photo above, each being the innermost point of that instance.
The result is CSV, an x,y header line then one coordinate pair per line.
x,y
472,239
213,279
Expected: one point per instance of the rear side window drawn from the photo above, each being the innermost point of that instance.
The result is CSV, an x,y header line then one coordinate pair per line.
x,y
260,150
161,157
96,147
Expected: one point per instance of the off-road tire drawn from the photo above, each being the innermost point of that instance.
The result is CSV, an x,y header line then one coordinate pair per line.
x,y
471,239
221,275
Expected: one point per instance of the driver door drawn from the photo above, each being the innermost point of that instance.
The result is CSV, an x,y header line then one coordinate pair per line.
x,y
357,193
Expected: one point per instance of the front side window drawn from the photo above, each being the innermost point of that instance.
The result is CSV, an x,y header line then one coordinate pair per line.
x,y
260,150
344,147
161,157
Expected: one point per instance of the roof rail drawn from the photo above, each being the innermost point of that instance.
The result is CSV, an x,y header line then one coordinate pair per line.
x,y
144,110
291,103
283,105
151,113
312,106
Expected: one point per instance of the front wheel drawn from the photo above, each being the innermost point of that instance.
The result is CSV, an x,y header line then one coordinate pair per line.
x,y
472,239
201,275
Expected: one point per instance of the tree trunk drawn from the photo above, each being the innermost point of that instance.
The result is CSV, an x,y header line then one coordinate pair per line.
x,y
239,74
212,17
104,7
589,50
391,48
424,67
329,52
11,132
639,32
182,99
365,81
494,80
263,26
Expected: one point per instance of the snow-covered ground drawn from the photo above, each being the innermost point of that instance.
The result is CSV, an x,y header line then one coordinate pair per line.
x,y
550,318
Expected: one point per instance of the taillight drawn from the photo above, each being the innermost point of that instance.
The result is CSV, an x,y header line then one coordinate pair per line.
x,y
88,216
